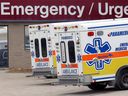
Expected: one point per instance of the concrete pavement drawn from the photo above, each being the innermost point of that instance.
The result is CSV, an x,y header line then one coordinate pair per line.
x,y
17,84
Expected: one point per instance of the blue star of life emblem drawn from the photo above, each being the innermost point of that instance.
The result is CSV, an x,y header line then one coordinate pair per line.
x,y
50,53
58,58
98,47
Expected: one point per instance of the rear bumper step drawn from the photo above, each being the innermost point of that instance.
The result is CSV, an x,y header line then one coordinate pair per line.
x,y
75,80
44,72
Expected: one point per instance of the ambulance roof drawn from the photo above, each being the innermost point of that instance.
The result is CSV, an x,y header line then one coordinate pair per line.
x,y
104,24
62,24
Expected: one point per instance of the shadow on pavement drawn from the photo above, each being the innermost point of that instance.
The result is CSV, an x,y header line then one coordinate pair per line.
x,y
92,92
46,84
41,84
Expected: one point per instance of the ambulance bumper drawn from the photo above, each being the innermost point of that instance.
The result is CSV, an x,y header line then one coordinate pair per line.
x,y
39,72
75,80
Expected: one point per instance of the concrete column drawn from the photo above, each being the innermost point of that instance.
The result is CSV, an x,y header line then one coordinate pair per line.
x,y
18,56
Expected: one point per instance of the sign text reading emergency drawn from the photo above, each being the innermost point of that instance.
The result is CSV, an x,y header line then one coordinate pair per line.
x,y
79,11
43,11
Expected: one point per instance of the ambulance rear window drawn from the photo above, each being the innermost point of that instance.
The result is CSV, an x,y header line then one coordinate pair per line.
x,y
44,47
71,49
63,52
37,48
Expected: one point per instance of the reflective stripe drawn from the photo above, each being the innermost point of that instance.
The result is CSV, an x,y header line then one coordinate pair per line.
x,y
37,60
112,77
69,66
45,59
104,55
88,57
63,66
42,60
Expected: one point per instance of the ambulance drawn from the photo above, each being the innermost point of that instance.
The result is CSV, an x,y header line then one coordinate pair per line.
x,y
93,54
42,49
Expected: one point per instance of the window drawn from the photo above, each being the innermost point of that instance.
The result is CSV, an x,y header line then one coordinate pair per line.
x,y
3,33
63,52
3,46
71,49
37,50
44,47
5,54
26,39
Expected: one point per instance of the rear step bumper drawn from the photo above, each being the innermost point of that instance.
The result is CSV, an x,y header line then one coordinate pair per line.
x,y
38,72
75,80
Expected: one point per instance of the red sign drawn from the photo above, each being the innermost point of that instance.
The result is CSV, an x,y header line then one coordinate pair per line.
x,y
62,9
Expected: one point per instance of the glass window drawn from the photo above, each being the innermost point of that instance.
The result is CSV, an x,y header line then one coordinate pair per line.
x,y
26,39
3,46
37,48
44,47
3,33
5,54
71,49
63,52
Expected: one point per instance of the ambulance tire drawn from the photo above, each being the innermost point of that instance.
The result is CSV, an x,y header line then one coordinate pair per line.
x,y
98,86
122,80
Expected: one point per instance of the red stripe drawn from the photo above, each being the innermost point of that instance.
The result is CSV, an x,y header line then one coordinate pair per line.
x,y
105,55
45,59
69,66
37,59
42,60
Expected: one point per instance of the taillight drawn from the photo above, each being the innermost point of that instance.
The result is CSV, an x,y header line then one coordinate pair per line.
x,y
90,33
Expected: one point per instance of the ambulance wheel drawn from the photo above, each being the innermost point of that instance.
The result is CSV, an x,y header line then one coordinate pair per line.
x,y
98,86
122,80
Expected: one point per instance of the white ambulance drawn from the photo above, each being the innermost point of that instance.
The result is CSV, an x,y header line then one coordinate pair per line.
x,y
42,47
43,53
93,54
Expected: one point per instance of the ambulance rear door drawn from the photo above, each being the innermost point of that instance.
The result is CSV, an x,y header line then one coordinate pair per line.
x,y
70,54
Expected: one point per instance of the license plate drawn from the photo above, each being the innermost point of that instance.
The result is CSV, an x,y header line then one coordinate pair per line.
x,y
70,71
40,64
